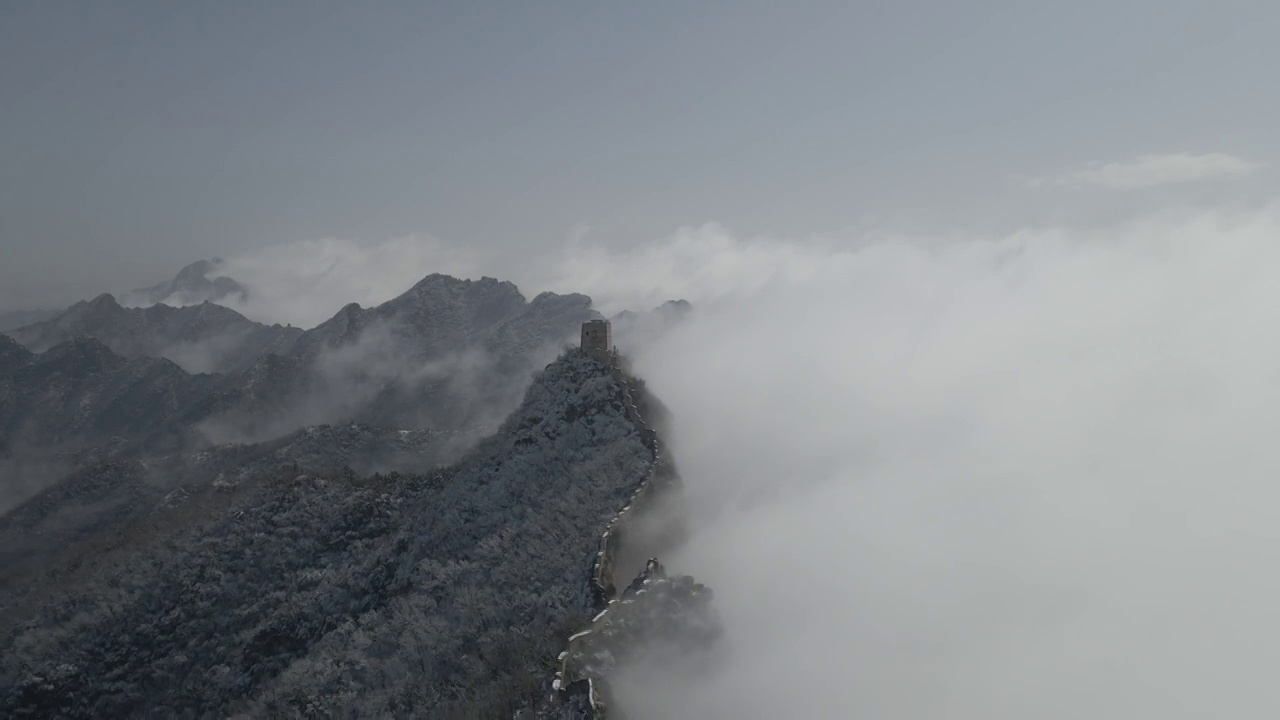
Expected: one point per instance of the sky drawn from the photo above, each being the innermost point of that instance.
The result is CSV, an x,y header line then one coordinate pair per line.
x,y
140,136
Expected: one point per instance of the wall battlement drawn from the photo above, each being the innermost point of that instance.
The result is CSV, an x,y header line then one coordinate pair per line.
x,y
571,679
597,341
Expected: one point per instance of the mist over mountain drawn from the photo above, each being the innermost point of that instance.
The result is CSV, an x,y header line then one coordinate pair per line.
x,y
634,331
909,468
17,318
80,394
424,489
194,284
904,465
1008,476
446,354
191,286
200,338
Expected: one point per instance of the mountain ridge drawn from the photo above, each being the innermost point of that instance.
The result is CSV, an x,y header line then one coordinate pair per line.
x,y
497,502
269,563
192,286
201,338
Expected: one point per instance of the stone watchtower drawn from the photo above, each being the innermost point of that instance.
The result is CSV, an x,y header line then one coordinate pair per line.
x,y
597,341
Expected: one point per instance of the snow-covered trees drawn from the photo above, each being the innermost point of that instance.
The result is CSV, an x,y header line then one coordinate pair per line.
x,y
438,594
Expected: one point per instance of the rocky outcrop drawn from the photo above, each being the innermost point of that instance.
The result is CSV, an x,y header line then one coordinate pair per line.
x,y
655,618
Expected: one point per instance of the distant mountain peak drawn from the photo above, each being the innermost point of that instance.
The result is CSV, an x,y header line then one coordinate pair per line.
x,y
105,301
194,284
449,283
437,279
202,338
198,269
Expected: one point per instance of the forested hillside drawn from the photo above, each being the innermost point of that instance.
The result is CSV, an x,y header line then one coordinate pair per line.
x,y
443,594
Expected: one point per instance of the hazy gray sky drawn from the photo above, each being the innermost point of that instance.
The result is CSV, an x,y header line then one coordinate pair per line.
x,y
137,136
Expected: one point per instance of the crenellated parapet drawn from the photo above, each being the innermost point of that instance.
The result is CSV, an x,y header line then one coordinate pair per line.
x,y
597,341
651,604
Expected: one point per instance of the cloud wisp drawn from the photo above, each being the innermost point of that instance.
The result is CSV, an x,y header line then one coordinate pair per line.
x,y
1147,171
306,282
1028,476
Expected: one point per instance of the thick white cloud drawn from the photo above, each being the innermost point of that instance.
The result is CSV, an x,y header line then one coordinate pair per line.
x,y
1030,476
1147,171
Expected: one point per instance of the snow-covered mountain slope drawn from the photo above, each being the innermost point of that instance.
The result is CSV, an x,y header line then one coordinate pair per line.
x,y
446,354
286,592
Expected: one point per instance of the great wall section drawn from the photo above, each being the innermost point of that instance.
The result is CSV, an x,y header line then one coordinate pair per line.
x,y
575,684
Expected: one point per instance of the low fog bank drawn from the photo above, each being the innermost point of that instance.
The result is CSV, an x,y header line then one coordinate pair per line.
x,y
1030,476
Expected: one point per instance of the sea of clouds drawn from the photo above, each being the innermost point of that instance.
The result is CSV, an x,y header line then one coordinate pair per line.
x,y
1020,475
